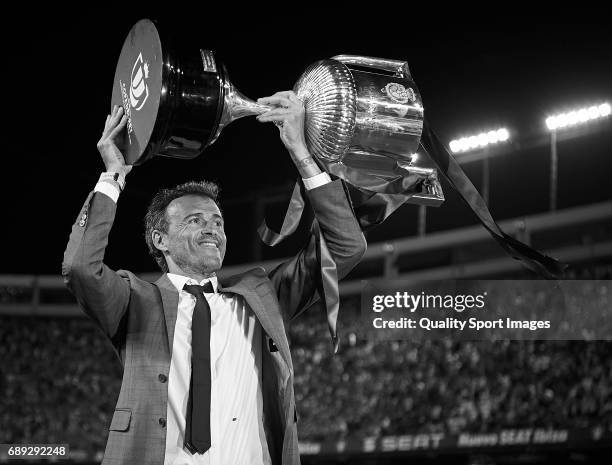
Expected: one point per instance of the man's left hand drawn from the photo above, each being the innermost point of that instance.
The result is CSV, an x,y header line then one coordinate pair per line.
x,y
288,115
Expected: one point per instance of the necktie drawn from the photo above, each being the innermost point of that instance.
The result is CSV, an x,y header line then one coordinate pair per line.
x,y
197,428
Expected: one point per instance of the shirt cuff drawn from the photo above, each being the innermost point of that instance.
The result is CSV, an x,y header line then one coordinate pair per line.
x,y
108,189
316,181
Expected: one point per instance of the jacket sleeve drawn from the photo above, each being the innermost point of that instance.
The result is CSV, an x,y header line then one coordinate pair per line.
x,y
295,280
101,292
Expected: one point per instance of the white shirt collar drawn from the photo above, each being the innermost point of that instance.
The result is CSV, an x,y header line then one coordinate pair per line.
x,y
179,281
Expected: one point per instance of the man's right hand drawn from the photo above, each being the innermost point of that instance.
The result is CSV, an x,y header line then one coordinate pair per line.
x,y
107,145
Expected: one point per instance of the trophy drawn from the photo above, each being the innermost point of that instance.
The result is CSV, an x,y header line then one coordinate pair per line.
x,y
363,115
363,123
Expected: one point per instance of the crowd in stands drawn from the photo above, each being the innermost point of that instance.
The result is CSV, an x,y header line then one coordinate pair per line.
x,y
395,387
59,381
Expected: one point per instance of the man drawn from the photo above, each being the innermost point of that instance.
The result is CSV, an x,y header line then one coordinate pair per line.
x,y
207,372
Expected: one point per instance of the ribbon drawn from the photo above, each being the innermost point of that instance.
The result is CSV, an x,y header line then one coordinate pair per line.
x,y
539,263
290,222
372,208
327,286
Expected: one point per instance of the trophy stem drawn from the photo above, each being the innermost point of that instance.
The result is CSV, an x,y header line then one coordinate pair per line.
x,y
239,106
236,106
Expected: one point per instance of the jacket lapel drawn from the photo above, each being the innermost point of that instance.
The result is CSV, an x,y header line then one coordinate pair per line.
x,y
246,285
170,298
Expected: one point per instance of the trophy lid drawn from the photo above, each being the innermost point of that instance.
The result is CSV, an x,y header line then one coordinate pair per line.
x,y
137,86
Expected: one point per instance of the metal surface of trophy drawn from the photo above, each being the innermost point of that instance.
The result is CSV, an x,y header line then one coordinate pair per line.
x,y
364,116
364,120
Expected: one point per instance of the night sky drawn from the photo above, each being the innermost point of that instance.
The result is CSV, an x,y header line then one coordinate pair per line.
x,y
473,75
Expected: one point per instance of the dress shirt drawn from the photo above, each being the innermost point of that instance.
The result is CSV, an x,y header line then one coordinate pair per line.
x,y
236,412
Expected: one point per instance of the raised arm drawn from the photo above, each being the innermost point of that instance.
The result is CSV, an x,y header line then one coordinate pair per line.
x,y
102,293
296,280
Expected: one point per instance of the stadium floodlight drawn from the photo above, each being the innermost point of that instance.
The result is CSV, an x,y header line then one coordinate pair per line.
x,y
564,120
484,139
481,141
579,116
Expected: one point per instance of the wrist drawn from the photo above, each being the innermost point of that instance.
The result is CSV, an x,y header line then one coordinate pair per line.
x,y
114,177
118,168
307,167
299,152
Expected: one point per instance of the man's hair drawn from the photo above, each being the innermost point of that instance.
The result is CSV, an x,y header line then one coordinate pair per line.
x,y
156,213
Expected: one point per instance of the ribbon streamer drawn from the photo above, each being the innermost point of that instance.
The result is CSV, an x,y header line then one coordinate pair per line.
x,y
328,284
372,208
539,263
290,222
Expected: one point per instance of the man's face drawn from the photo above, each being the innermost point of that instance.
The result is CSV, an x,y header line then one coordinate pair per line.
x,y
195,239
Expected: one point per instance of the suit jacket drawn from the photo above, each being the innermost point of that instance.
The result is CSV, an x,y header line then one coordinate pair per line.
x,y
139,319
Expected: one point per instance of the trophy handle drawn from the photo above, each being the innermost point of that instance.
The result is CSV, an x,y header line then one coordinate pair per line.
x,y
398,67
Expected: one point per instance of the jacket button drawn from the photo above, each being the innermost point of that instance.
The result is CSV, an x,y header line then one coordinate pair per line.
x,y
162,378
162,422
